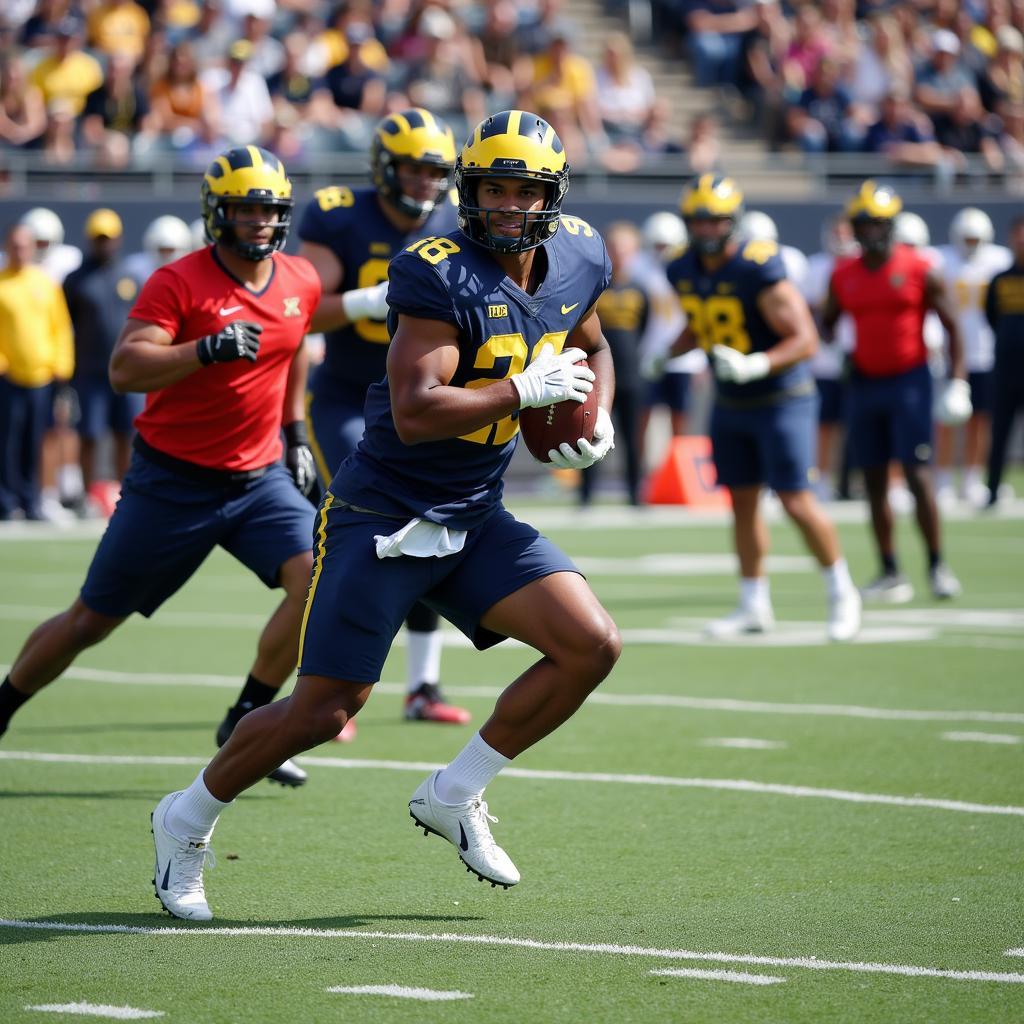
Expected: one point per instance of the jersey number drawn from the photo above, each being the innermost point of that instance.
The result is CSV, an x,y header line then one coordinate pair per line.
x,y
515,349
433,249
333,197
716,320
966,291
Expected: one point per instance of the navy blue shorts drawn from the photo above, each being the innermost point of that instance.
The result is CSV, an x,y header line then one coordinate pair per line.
x,y
672,389
101,410
982,391
165,525
890,418
832,399
357,601
770,445
336,426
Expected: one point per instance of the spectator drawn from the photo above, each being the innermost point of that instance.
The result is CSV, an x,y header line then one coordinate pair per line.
x,y
625,91
941,80
35,349
1012,143
359,91
118,26
499,52
810,45
715,30
184,110
1002,81
41,28
968,131
212,34
905,139
824,119
760,76
246,111
297,95
704,148
116,114
267,52
351,24
882,65
67,74
22,110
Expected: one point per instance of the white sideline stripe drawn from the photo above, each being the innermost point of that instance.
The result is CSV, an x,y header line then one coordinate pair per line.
x,y
1015,952
430,995
675,564
811,962
97,1010
982,737
743,743
737,976
598,697
733,785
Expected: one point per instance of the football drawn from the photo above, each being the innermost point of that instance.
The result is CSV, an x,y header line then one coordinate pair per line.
x,y
551,425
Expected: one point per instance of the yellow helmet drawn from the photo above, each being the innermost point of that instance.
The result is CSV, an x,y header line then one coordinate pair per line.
x,y
512,144
413,135
252,176
712,197
872,212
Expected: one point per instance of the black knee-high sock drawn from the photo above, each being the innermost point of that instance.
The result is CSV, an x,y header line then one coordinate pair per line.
x,y
254,695
10,700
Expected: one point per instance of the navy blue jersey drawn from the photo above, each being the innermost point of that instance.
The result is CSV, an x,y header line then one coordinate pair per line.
x,y
1004,308
352,225
721,309
99,298
458,482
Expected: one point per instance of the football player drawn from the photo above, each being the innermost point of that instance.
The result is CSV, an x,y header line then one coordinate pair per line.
x,y
742,309
215,342
969,262
485,321
349,235
887,290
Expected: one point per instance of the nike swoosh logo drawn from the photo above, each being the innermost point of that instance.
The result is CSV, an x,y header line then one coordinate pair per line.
x,y
569,309
167,877
463,841
228,310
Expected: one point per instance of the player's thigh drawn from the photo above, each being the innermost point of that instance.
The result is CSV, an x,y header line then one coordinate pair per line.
x,y
912,423
735,447
336,426
868,423
788,441
93,407
356,601
268,522
162,529
831,393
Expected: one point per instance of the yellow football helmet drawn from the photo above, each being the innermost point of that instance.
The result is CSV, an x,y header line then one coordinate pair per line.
x,y
872,212
512,144
712,197
246,175
416,136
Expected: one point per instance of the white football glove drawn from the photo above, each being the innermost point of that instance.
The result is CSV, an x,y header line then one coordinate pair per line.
x,y
567,457
954,403
366,303
550,378
737,368
652,365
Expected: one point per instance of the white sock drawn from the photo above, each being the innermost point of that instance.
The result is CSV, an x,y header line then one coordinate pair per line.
x,y
972,478
195,812
837,578
754,592
475,765
423,658
943,479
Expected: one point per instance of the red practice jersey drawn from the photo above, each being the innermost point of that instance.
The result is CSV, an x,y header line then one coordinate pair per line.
x,y
888,306
226,415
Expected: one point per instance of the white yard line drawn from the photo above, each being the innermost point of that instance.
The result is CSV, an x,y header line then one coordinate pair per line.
x,y
429,995
97,1010
810,962
729,785
743,743
754,707
982,737
1014,952
734,976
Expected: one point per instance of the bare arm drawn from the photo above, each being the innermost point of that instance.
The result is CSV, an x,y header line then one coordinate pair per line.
x,y
830,314
294,407
938,299
329,315
786,312
144,359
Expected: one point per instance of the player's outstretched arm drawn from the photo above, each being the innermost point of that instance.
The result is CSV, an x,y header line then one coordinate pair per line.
x,y
338,309
786,312
144,359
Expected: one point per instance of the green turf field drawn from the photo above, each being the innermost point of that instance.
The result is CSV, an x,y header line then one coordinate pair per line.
x,y
771,831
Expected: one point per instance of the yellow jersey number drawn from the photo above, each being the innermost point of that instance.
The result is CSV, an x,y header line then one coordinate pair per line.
x,y
970,295
717,320
515,348
575,226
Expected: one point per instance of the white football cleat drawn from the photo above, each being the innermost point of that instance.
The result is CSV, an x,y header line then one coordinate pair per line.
x,y
178,876
465,827
889,588
741,622
944,583
844,616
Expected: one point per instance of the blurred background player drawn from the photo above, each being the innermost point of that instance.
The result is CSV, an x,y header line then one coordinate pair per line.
x,y
215,341
51,253
166,239
969,262
36,349
1004,309
349,235
887,290
624,309
757,226
99,296
741,308
828,363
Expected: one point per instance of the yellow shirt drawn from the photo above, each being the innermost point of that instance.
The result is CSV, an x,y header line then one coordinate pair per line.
x,y
561,88
119,28
70,80
36,341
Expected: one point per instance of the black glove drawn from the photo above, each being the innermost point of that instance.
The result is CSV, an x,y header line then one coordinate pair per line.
x,y
238,340
299,459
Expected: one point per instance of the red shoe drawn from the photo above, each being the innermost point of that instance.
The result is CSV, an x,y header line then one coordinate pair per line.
x,y
425,704
348,734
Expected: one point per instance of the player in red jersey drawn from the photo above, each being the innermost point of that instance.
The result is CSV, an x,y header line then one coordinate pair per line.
x,y
887,290
216,342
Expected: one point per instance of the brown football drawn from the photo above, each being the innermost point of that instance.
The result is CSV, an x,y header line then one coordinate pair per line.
x,y
551,425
